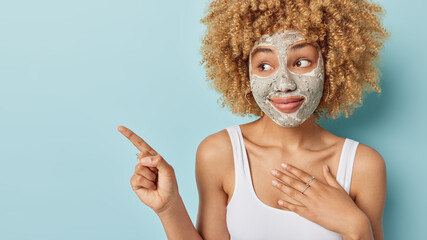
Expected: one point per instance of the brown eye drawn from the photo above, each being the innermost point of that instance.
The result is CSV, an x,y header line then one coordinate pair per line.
x,y
264,67
302,63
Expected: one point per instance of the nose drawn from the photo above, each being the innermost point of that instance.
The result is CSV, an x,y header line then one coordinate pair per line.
x,y
285,83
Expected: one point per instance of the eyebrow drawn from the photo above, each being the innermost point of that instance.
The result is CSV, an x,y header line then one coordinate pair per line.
x,y
292,48
299,46
265,50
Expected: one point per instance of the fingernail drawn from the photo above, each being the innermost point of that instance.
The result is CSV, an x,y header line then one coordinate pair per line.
x,y
146,160
284,165
275,183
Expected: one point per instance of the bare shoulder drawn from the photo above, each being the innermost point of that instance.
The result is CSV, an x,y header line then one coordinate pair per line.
x,y
368,165
368,162
214,144
213,152
367,152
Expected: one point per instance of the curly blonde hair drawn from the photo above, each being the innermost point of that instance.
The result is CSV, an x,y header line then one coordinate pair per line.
x,y
349,34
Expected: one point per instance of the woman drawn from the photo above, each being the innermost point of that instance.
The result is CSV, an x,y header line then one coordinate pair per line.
x,y
289,62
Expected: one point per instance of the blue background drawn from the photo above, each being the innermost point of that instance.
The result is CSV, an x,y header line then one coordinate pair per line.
x,y
71,72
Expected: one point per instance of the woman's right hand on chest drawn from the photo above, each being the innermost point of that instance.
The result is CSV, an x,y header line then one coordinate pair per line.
x,y
153,182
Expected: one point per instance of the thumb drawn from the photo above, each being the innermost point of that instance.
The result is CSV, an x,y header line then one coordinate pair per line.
x,y
156,161
330,178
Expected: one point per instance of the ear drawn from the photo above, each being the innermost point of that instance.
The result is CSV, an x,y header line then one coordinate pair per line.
x,y
330,179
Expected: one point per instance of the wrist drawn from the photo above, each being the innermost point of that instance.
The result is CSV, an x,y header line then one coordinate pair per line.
x,y
170,207
176,221
360,228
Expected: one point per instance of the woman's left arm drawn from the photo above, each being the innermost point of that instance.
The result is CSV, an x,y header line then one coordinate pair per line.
x,y
330,206
369,183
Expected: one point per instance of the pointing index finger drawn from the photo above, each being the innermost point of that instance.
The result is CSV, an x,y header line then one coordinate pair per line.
x,y
136,140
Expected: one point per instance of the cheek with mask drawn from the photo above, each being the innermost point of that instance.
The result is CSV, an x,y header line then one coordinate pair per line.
x,y
280,93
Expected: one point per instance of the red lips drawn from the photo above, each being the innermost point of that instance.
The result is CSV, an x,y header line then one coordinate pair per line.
x,y
287,105
287,100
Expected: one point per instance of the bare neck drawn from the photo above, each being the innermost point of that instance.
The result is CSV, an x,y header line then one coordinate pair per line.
x,y
291,138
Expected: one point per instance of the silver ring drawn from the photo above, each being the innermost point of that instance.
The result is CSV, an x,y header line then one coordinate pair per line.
x,y
305,189
312,177
308,184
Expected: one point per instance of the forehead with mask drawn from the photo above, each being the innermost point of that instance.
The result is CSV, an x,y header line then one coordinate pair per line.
x,y
286,77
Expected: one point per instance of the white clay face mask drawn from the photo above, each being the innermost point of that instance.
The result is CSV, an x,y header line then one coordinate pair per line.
x,y
285,86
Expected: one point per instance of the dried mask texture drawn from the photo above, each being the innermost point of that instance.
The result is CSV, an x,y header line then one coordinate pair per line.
x,y
284,83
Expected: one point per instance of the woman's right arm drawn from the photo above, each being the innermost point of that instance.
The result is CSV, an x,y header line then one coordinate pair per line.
x,y
155,184
177,223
